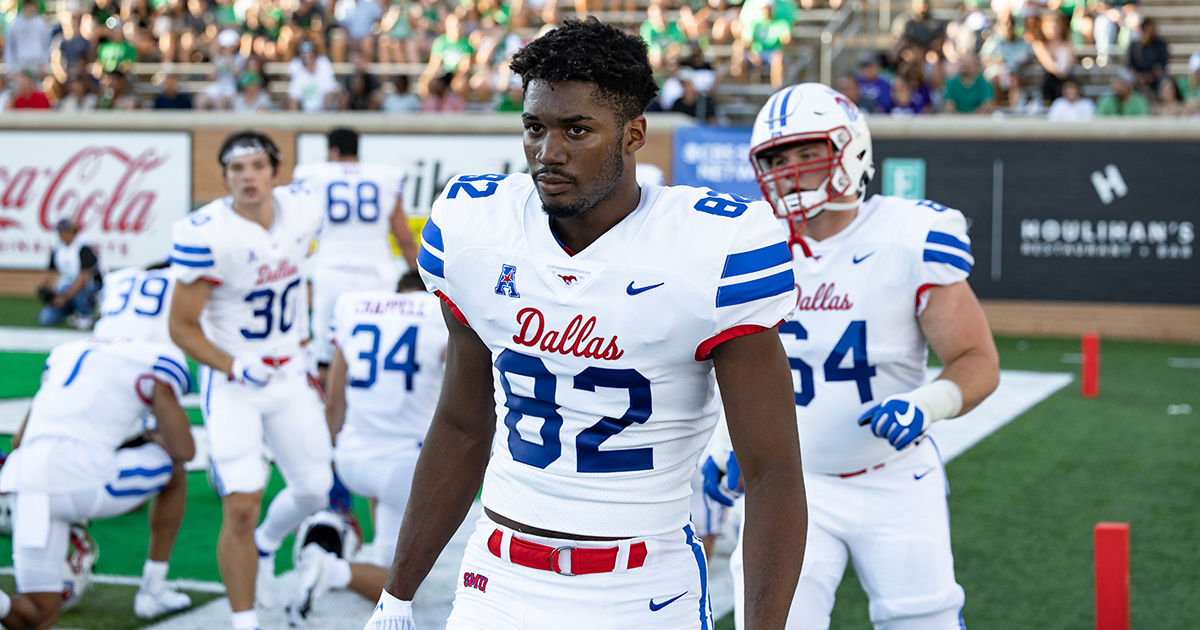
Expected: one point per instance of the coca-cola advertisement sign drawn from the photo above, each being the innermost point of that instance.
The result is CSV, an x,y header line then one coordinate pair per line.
x,y
124,190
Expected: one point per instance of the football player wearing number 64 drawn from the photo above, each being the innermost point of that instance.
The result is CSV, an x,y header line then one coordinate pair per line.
x,y
880,280
239,309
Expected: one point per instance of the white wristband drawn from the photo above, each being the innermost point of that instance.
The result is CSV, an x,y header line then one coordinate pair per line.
x,y
940,399
390,606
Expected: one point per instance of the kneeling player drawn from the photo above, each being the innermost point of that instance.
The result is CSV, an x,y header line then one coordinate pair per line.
x,y
383,387
69,466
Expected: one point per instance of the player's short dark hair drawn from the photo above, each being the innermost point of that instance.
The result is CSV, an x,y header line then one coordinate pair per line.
x,y
410,281
590,52
346,141
249,138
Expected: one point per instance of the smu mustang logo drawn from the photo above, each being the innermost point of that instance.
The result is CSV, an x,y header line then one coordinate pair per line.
x,y
507,284
568,280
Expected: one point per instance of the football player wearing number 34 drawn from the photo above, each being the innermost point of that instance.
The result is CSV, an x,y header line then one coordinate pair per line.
x,y
586,318
878,279
239,309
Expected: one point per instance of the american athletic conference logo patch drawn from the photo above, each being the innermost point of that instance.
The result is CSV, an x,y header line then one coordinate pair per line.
x,y
507,285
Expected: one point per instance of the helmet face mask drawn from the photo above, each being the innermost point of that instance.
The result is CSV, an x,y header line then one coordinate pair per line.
x,y
801,115
782,186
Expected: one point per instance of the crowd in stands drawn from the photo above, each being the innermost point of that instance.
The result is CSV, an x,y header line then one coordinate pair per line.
x,y
1023,57
451,56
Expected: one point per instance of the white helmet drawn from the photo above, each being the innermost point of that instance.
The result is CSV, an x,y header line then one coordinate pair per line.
x,y
811,112
82,554
336,531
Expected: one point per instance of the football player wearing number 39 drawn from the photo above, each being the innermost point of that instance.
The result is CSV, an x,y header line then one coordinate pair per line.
x,y
878,279
239,310
586,318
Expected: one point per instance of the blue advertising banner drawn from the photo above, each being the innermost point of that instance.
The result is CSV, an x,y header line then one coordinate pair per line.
x,y
716,158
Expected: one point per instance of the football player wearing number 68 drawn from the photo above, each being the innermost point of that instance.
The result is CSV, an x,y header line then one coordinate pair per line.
x,y
878,278
239,310
363,203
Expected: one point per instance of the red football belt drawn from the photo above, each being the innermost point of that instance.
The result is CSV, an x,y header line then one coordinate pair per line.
x,y
583,561
276,362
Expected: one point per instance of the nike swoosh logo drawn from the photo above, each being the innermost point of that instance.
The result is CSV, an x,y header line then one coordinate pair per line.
x,y
634,291
858,260
657,607
905,419
920,476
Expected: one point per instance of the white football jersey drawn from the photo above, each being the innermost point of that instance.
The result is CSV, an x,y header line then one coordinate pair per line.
x,y
855,338
136,303
94,391
359,200
605,393
259,303
394,345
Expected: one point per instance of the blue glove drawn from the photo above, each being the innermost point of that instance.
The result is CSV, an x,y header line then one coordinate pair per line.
x,y
722,486
897,420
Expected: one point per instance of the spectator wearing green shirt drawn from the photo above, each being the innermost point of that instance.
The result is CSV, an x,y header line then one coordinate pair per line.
x,y
1123,100
451,55
664,39
763,43
968,93
116,53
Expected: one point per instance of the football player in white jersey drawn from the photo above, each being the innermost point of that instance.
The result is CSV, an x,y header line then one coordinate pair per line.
x,y
879,279
239,310
383,387
363,203
83,453
136,302
587,316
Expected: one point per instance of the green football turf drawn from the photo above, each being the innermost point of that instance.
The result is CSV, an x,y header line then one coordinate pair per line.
x,y
1023,502
19,311
106,607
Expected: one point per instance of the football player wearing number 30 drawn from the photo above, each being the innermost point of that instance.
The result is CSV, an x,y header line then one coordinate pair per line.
x,y
878,279
239,310
599,310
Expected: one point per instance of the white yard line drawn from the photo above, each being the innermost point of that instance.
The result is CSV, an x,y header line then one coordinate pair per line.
x,y
17,339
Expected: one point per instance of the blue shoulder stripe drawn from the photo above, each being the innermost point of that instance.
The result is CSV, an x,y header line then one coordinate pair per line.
x,y
432,234
143,472
192,250
942,238
190,263
932,255
431,263
181,373
743,292
756,260
171,376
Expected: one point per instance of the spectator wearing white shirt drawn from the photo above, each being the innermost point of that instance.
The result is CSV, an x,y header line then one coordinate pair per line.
x,y
360,24
252,98
401,101
313,86
27,43
1072,105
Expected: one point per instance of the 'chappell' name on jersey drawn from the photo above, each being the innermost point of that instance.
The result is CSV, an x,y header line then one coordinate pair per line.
x,y
393,344
259,304
605,395
855,338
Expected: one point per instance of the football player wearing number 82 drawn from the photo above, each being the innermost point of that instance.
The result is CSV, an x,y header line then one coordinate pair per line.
x,y
587,316
239,309
879,278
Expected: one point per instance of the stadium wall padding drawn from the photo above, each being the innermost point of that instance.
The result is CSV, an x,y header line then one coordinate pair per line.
x,y
1096,221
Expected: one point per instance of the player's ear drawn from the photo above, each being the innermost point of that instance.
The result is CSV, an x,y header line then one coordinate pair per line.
x,y
635,134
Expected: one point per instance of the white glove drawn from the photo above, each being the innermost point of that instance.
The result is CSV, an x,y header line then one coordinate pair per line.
x,y
391,614
903,418
250,370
